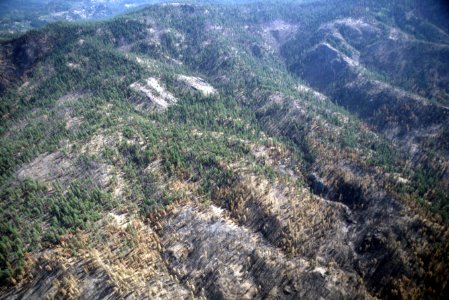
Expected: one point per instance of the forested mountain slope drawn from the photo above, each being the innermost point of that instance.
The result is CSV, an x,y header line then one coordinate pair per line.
x,y
232,151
